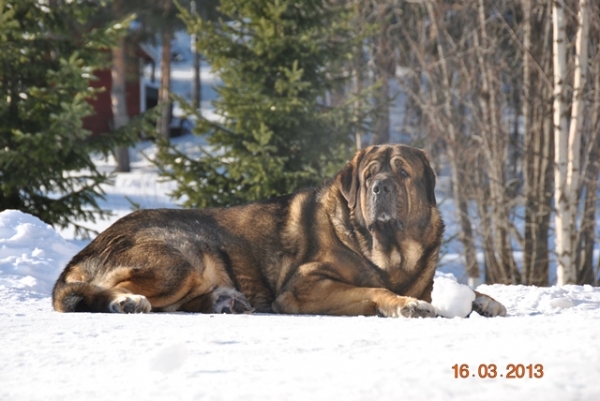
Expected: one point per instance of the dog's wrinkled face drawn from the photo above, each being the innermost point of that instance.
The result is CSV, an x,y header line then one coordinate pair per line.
x,y
389,187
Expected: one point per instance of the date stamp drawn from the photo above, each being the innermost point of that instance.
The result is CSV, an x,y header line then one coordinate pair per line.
x,y
491,371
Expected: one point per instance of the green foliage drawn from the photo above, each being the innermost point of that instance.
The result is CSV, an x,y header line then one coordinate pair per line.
x,y
48,57
278,60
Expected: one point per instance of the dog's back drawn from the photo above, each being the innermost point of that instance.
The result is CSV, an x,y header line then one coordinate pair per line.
x,y
174,259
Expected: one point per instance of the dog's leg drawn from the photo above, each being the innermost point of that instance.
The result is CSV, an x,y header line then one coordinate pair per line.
x,y
129,303
410,307
487,306
221,300
138,270
228,300
86,297
329,297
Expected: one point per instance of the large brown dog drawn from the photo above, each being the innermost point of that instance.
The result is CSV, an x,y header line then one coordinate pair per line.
x,y
365,244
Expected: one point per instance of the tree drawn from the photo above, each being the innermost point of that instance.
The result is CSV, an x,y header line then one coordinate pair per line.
x,y
538,150
207,10
446,121
384,66
481,80
48,56
277,63
196,76
164,92
159,22
117,92
568,137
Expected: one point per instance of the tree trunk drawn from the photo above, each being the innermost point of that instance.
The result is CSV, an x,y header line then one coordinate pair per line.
x,y
164,93
493,272
568,141
561,143
585,260
537,163
382,124
357,83
384,64
576,124
196,78
118,101
574,181
466,232
495,148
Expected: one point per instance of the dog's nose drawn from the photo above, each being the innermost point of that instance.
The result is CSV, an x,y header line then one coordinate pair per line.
x,y
382,186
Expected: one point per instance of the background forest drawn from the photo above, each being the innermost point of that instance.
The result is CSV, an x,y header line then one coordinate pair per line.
x,y
503,95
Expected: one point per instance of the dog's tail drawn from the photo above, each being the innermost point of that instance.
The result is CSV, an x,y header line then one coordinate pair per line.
x,y
79,296
76,297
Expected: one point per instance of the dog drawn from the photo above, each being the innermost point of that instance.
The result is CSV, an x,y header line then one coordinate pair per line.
x,y
365,243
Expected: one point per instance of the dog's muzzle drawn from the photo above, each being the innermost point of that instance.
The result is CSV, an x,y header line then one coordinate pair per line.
x,y
384,198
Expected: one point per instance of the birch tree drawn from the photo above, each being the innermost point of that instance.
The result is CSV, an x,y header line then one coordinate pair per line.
x,y
567,137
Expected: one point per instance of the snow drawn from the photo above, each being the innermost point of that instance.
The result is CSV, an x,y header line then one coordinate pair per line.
x,y
46,355
177,356
32,254
451,299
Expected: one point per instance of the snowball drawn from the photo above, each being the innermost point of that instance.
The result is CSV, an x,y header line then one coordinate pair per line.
x,y
451,299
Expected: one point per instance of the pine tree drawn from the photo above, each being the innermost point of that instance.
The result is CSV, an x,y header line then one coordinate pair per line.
x,y
278,60
48,57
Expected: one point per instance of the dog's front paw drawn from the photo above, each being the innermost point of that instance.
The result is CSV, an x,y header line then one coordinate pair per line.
x,y
418,308
130,303
411,308
488,306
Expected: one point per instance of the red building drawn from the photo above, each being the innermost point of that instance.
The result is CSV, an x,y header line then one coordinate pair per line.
x,y
141,91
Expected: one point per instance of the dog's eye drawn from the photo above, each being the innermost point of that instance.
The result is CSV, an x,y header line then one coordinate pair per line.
x,y
370,172
398,167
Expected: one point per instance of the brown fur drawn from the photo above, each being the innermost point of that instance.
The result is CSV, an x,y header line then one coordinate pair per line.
x,y
365,244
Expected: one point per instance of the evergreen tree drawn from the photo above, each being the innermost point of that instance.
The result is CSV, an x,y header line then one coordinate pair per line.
x,y
278,61
48,57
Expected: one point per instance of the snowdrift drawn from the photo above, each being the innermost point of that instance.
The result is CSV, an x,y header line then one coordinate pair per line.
x,y
32,254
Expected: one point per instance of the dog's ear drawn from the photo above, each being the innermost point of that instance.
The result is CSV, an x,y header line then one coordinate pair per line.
x,y
428,178
347,180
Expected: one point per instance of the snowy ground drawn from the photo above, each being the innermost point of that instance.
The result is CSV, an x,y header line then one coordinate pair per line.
x,y
45,355
50,356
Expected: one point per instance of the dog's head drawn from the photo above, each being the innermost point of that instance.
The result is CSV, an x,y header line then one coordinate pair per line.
x,y
388,186
390,190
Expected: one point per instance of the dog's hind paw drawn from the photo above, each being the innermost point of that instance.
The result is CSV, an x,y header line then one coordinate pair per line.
x,y
228,300
130,303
